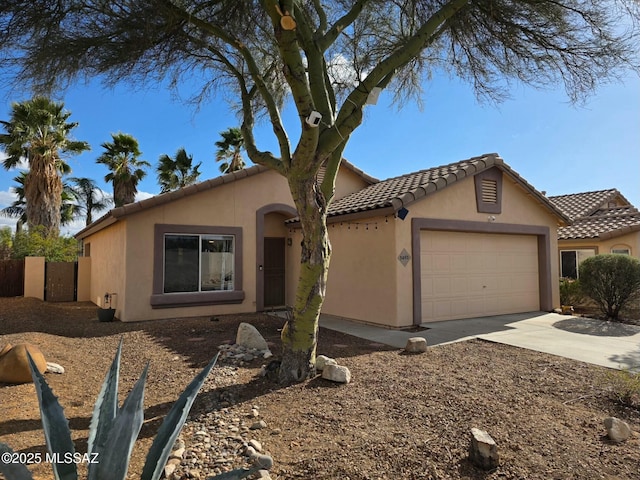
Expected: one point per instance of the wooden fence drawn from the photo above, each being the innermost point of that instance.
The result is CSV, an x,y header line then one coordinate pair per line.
x,y
49,281
11,278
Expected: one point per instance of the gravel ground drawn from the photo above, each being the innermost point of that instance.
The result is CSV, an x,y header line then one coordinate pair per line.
x,y
402,417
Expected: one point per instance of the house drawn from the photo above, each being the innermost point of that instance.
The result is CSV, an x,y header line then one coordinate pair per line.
x,y
468,239
603,221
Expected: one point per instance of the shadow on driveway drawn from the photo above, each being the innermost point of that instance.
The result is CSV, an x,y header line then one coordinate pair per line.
x,y
600,328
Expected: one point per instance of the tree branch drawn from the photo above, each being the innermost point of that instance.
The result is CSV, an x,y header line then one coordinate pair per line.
x,y
343,22
350,114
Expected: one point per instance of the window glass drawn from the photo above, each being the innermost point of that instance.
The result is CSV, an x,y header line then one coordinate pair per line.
x,y
570,261
620,251
181,263
216,262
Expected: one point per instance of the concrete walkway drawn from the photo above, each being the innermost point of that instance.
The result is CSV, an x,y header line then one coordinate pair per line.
x,y
607,344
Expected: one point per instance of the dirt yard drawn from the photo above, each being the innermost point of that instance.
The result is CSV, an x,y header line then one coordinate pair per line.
x,y
402,417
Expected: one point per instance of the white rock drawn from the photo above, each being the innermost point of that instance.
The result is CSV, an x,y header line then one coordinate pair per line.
x,y
267,354
617,430
248,336
322,361
416,345
263,475
257,446
483,451
54,368
336,373
250,452
265,462
169,469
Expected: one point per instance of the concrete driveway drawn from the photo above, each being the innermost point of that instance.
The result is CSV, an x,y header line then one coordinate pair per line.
x,y
607,344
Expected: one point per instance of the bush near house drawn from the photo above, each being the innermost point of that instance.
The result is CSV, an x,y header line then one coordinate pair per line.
x,y
36,243
611,281
571,292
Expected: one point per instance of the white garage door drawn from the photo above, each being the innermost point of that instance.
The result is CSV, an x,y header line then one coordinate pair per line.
x,y
467,275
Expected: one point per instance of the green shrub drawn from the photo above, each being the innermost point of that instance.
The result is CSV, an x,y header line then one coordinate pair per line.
x,y
36,243
610,281
112,432
570,292
624,387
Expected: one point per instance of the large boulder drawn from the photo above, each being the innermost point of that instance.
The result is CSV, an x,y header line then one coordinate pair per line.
x,y
14,364
336,373
248,336
617,430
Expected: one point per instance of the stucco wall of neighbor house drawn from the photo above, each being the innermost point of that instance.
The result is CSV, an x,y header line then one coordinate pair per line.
x,y
229,205
458,202
629,240
108,257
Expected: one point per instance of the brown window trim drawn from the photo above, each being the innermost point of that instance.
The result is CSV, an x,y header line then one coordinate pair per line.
x,y
494,175
159,299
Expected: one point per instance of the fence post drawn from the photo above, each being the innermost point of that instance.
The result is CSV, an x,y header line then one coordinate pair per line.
x,y
34,277
84,280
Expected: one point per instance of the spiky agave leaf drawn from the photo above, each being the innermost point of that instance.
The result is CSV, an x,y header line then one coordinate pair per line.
x,y
105,409
237,474
55,426
171,426
13,471
113,463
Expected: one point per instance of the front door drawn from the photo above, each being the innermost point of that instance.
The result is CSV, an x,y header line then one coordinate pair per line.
x,y
274,253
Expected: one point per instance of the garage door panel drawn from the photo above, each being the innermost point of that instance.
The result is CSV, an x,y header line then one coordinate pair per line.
x,y
467,275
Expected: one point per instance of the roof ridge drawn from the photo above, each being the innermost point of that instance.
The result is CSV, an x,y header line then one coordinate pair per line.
x,y
583,193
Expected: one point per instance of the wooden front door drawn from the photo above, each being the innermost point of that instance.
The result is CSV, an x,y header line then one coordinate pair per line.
x,y
274,253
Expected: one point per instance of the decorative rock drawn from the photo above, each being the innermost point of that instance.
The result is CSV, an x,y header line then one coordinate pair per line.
x,y
250,452
263,475
248,336
14,364
258,425
483,451
256,445
265,462
617,430
322,361
416,345
54,368
336,373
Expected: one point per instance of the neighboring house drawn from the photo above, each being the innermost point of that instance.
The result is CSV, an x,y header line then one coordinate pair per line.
x,y
468,239
602,222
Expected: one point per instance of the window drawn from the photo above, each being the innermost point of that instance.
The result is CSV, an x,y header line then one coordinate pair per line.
x,y
620,251
87,250
570,261
197,265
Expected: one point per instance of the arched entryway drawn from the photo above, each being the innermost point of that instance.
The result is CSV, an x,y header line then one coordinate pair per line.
x,y
271,244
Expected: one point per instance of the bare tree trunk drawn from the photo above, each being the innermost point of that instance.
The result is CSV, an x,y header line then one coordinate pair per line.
x,y
300,334
43,195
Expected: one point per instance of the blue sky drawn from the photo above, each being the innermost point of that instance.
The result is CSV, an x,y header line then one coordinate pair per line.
x,y
558,147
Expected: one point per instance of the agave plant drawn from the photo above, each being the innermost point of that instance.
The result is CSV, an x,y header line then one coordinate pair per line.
x,y
112,431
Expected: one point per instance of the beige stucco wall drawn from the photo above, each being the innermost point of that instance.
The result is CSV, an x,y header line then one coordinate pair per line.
x,y
368,283
362,275
84,279
629,240
234,205
348,182
108,256
34,277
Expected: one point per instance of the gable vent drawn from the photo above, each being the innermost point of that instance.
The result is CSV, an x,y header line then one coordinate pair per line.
x,y
489,191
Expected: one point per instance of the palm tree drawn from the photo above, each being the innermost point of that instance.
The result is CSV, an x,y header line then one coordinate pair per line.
x,y
18,209
89,197
178,172
121,156
229,150
38,131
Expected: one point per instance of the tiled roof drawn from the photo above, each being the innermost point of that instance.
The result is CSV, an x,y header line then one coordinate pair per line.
x,y
394,193
578,205
592,219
